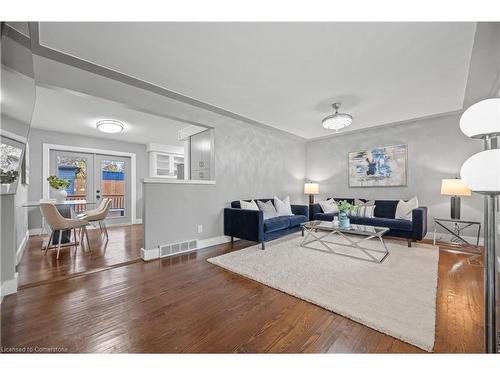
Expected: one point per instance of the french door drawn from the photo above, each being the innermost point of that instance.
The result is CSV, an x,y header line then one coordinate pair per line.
x,y
94,177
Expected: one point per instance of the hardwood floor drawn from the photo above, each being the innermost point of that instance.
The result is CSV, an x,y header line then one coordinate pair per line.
x,y
124,246
187,305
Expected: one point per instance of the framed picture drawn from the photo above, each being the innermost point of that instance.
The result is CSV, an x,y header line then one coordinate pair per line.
x,y
378,167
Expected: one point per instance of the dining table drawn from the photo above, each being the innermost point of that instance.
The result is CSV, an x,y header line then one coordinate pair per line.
x,y
66,209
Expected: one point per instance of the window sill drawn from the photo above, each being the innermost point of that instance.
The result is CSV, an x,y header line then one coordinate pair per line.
x,y
164,180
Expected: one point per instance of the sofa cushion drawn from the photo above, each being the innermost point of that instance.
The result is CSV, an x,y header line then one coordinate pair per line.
x,y
236,204
384,208
276,223
404,209
296,220
329,206
398,224
268,209
249,205
322,216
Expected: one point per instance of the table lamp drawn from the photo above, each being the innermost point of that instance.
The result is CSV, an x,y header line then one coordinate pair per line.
x,y
311,188
456,188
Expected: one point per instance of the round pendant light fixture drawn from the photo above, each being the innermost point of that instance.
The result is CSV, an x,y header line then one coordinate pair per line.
x,y
481,172
482,119
338,120
110,126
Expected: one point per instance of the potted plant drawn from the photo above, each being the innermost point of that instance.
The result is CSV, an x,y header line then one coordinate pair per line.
x,y
59,185
344,207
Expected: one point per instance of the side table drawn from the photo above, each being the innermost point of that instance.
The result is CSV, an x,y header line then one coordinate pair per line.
x,y
457,226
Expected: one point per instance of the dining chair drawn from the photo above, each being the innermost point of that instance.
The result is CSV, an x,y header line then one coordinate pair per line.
x,y
56,221
99,215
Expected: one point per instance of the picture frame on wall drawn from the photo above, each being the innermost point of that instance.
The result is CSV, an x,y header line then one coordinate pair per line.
x,y
385,166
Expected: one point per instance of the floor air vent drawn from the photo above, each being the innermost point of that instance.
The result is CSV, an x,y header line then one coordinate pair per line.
x,y
175,248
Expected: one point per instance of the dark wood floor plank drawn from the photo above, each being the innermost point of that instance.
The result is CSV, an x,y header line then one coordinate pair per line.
x,y
184,304
124,245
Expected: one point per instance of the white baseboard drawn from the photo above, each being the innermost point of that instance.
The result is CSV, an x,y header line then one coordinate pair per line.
x,y
34,231
150,254
9,286
138,221
20,249
213,241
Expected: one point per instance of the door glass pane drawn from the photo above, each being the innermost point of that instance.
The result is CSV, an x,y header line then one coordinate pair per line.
x,y
74,169
113,186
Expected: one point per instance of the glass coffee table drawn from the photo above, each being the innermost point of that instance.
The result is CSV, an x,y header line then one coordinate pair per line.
x,y
323,231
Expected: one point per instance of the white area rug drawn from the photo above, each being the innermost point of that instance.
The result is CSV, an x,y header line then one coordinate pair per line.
x,y
396,297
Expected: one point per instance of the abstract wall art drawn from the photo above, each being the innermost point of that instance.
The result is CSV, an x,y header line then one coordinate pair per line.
x,y
381,166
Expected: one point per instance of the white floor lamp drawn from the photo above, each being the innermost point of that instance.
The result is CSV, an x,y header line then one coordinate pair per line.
x,y
481,173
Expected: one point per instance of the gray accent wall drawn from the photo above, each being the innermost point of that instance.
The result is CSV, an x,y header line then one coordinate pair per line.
x,y
250,162
38,137
436,150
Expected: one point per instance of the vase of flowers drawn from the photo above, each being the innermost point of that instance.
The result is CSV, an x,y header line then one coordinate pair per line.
x,y
58,186
344,208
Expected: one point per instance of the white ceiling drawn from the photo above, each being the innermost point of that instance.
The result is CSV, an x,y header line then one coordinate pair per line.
x,y
71,112
286,75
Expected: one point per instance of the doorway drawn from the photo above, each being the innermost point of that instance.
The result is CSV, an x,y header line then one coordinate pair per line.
x,y
93,177
94,174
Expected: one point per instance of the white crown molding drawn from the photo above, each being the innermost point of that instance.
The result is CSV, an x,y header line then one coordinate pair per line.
x,y
14,136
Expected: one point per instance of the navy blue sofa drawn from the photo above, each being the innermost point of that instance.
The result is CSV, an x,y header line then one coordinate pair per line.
x,y
250,224
385,212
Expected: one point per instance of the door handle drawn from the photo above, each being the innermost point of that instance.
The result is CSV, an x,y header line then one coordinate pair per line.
x,y
97,196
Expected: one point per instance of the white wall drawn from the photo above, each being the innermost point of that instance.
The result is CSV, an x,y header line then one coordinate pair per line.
x,y
250,162
38,137
436,150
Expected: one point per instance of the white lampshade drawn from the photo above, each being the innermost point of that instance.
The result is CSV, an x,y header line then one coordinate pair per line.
x,y
481,172
311,188
481,119
454,186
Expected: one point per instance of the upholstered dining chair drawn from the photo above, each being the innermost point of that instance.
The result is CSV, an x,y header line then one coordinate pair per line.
x,y
99,215
57,222
99,208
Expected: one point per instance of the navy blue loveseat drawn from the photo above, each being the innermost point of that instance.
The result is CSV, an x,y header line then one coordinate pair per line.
x,y
250,224
385,212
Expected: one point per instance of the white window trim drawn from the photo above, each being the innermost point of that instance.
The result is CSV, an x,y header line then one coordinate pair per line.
x,y
47,147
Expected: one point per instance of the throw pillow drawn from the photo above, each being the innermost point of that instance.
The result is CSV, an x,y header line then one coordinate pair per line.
x,y
359,202
249,205
329,206
404,209
283,207
366,211
268,209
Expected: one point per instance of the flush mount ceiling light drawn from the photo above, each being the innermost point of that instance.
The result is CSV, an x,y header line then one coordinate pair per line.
x,y
338,120
110,126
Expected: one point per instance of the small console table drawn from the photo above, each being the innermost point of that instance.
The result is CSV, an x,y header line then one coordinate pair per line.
x,y
457,226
